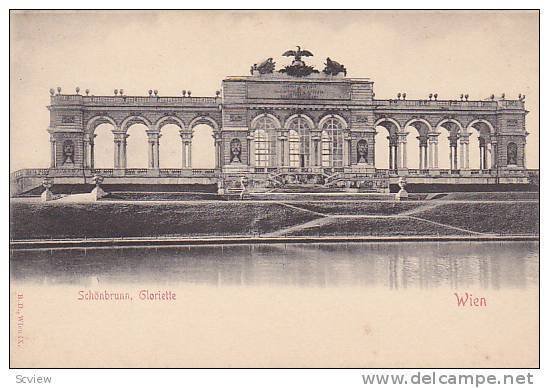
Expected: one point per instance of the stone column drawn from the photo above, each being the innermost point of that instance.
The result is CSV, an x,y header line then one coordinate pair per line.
x,y
433,150
346,155
402,157
313,151
398,151
120,149
436,152
251,150
185,147
467,155
85,152
249,141
184,154
157,151
494,153
487,154
391,167
154,149
52,152
190,148
283,138
461,158
219,149
92,151
464,151
420,156
287,150
123,154
116,155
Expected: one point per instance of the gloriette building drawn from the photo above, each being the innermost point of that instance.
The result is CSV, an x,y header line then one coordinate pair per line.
x,y
279,128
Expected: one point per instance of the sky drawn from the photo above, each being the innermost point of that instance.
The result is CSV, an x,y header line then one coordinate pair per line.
x,y
451,52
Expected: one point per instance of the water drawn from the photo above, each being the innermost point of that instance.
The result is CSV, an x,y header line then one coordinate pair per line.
x,y
362,304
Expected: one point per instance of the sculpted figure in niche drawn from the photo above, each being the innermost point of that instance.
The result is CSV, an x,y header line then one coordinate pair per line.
x,y
362,151
68,151
236,151
512,153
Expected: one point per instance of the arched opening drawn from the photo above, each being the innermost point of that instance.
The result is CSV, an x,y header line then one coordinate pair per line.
x,y
443,148
103,146
170,146
265,141
418,145
480,146
299,137
137,146
331,148
449,156
386,144
203,146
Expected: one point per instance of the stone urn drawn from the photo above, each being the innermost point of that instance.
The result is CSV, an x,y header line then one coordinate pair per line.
x,y
47,195
402,194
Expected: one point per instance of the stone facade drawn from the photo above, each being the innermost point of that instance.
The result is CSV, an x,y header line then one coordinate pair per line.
x,y
275,128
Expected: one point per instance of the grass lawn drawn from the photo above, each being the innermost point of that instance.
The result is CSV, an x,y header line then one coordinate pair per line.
x,y
377,227
359,208
496,196
49,220
35,220
499,218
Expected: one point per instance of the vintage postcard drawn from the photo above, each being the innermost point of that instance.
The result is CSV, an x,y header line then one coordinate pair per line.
x,y
274,189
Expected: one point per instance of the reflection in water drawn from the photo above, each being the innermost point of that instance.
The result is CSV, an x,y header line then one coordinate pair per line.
x,y
394,265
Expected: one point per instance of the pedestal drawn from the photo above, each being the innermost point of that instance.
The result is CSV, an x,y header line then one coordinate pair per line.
x,y
235,168
97,193
47,195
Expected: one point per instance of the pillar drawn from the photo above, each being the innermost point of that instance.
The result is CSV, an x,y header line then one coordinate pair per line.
x,y
316,152
461,155
466,155
402,157
251,151
287,150
346,154
183,154
398,150
52,152
190,148
313,149
85,152
92,151
123,156
281,156
436,152
420,156
391,167
493,154
120,149
157,151
154,149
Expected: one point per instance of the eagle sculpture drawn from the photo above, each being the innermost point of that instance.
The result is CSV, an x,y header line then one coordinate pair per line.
x,y
297,55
